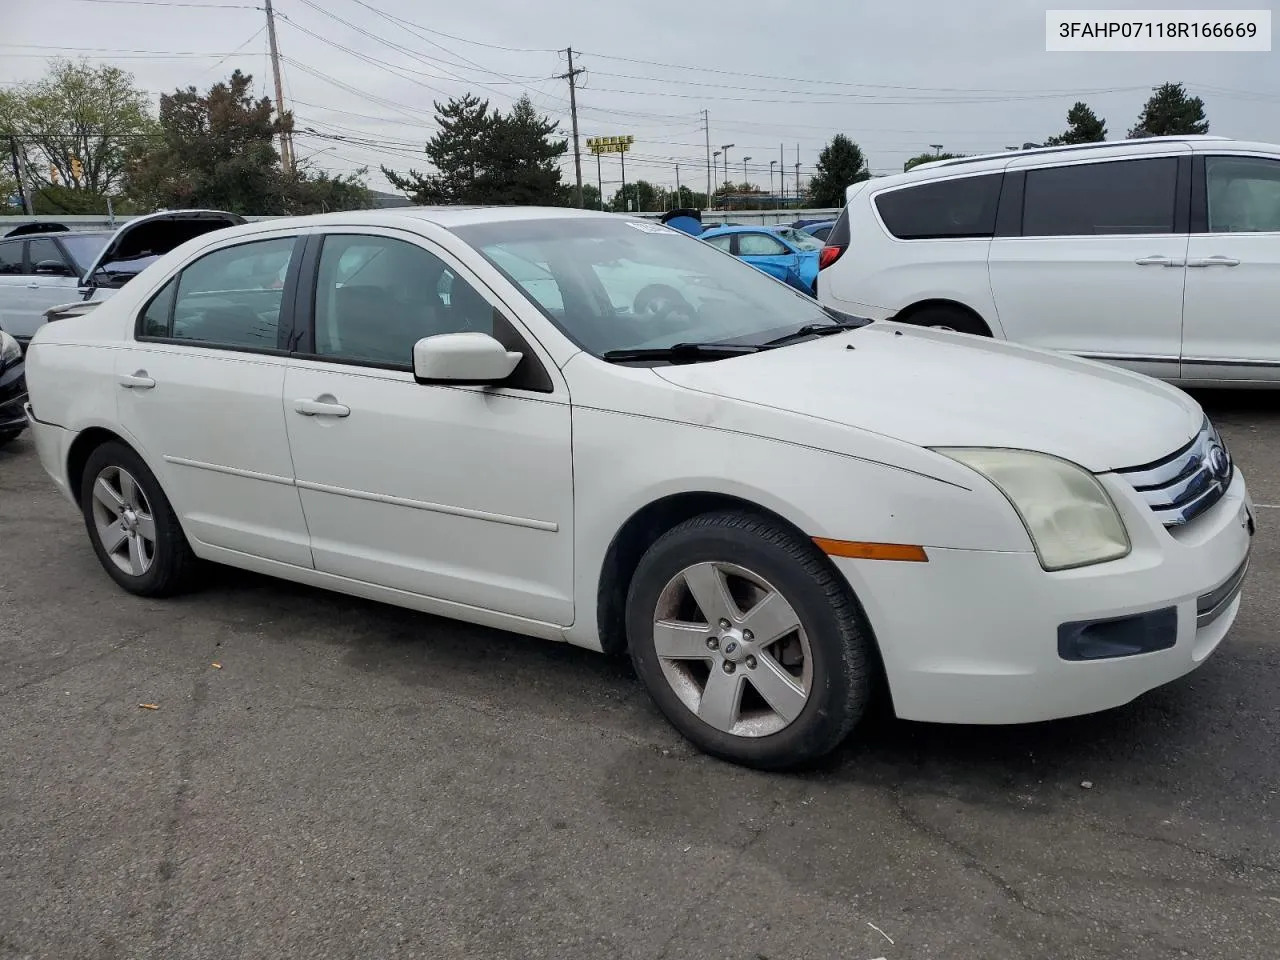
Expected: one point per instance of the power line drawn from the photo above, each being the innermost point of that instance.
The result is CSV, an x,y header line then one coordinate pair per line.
x,y
174,3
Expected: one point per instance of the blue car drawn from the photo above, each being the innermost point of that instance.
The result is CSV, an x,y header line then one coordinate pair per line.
x,y
821,229
788,254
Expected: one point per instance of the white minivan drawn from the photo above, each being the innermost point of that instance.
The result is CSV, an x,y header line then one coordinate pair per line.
x,y
1161,255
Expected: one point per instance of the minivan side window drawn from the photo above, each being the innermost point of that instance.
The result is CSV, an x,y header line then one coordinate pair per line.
x,y
1119,197
11,257
961,207
1243,194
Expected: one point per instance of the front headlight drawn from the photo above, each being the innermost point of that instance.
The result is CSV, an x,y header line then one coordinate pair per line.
x,y
10,352
1070,517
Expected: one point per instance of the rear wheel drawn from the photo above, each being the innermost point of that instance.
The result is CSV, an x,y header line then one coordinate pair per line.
x,y
134,530
748,641
948,318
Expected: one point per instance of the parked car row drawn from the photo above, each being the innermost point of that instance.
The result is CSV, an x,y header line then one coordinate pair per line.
x,y
597,429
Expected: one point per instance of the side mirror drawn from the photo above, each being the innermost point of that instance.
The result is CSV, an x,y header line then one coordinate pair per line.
x,y
55,268
463,358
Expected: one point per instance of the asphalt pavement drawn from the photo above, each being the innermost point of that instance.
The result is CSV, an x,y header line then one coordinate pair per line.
x,y
326,777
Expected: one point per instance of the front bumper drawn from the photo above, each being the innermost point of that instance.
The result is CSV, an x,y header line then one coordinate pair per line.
x,y
977,636
13,399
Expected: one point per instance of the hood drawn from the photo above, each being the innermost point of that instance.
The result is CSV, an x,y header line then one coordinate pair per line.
x,y
933,388
156,234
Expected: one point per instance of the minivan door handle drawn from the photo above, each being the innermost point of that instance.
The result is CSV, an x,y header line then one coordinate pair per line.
x,y
136,381
33,286
323,406
1157,262
1214,262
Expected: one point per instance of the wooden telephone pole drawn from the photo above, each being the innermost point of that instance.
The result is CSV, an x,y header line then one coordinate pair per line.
x,y
286,136
571,76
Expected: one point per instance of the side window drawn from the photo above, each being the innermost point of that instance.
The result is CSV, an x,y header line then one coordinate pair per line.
x,y
232,297
1243,194
760,245
958,208
11,258
43,254
1101,199
158,313
376,297
723,242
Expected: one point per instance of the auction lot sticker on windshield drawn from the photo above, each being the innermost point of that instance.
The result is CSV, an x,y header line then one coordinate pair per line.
x,y
1158,31
644,227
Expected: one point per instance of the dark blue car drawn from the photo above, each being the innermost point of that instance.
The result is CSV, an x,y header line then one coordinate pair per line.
x,y
786,253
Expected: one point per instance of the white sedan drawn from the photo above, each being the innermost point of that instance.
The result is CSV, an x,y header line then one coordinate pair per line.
x,y
596,429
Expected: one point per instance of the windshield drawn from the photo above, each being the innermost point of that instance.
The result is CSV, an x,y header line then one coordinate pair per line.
x,y
615,284
84,247
799,239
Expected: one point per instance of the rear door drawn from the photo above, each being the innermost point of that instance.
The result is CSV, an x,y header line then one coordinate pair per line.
x,y
1231,324
52,278
15,297
1097,266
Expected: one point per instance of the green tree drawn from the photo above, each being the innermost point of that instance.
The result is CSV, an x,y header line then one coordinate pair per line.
x,y
480,155
641,195
916,161
1083,126
840,164
218,150
523,159
75,126
1170,112
688,199
590,196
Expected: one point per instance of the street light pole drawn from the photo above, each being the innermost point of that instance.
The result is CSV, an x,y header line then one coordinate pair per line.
x,y
715,173
772,163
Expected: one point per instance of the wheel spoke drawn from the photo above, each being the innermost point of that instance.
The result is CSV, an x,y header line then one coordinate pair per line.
x,y
770,619
709,589
680,641
113,536
103,493
778,688
721,699
146,528
137,557
129,490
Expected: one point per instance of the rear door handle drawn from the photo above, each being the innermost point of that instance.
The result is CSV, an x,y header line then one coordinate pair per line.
x,y
324,406
1157,262
137,381
1214,262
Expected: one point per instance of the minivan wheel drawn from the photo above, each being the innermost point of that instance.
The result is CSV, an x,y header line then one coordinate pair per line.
x,y
134,530
948,318
748,641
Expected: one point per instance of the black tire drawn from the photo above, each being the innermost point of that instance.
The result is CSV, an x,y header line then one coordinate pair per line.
x,y
948,318
8,436
172,561
839,638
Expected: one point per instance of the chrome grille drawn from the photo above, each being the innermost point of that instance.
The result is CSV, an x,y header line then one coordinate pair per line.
x,y
1185,484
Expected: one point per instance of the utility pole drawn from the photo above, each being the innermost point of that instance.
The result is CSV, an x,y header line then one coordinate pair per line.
x,y
782,177
17,175
571,76
677,200
706,130
286,138
600,181
799,195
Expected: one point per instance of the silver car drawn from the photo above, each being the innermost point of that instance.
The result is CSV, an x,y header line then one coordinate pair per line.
x,y
44,265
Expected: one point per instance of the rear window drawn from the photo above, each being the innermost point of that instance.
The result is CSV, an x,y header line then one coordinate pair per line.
x,y
1101,199
962,207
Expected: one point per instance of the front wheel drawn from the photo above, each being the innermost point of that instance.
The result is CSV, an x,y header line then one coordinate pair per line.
x,y
748,641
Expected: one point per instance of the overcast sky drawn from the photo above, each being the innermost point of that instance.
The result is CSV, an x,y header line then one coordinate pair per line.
x,y
895,76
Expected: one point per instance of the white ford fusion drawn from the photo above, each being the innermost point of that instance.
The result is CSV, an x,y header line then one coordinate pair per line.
x,y
595,429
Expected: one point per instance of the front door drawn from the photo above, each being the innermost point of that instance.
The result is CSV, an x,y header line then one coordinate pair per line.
x,y
200,391
1231,325
1098,268
51,277
768,254
459,493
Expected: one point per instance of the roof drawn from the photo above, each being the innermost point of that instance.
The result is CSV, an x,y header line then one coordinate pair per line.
x,y
993,162
744,228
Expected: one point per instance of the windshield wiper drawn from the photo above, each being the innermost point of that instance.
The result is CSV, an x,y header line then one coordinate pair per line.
x,y
682,351
837,325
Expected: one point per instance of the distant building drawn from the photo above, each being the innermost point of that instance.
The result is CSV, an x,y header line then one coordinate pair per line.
x,y
382,200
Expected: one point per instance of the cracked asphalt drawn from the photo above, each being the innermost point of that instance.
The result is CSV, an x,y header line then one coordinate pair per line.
x,y
360,781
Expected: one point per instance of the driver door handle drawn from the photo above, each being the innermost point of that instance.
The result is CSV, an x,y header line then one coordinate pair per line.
x,y
1157,262
325,406
136,381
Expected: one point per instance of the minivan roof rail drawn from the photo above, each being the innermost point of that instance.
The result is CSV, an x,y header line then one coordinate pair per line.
x,y
1065,148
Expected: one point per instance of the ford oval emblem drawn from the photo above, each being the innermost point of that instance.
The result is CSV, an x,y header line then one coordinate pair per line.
x,y
1219,465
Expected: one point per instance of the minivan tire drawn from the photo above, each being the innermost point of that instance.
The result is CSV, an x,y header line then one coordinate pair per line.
x,y
948,318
